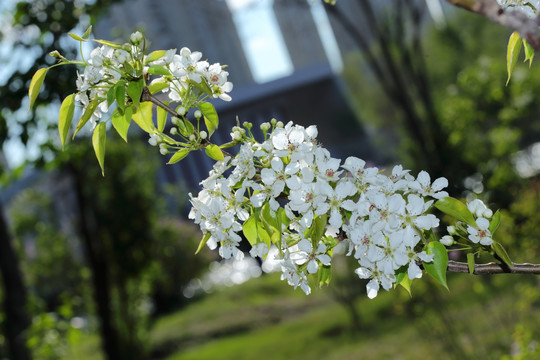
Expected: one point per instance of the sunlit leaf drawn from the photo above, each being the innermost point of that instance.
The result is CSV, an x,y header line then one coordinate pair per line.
x,y
254,231
214,152
65,117
161,118
203,242
437,268
325,275
120,94
87,115
35,85
158,70
402,278
154,55
87,32
157,86
512,53
99,139
109,43
143,117
121,122
456,209
529,52
76,37
211,119
179,155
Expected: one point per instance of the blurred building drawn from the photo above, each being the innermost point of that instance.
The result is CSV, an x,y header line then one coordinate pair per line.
x,y
277,62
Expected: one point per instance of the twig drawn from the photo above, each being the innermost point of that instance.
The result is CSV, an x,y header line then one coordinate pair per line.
x,y
518,21
494,268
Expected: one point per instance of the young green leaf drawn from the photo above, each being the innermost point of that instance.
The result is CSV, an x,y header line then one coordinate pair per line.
x,y
66,115
501,253
121,122
161,118
98,142
512,53
210,117
203,242
35,85
120,95
214,152
76,37
437,268
154,55
87,32
319,228
325,275
157,86
143,117
455,209
134,91
158,70
402,278
495,221
179,155
254,231
111,95
109,43
529,52
470,263
86,115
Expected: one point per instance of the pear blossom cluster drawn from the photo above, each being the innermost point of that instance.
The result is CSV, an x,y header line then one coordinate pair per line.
x,y
383,217
184,76
529,7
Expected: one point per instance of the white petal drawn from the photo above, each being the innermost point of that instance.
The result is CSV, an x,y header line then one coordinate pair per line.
x,y
372,288
414,271
312,267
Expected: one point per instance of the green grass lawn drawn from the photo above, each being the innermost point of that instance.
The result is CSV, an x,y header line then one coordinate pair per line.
x,y
266,319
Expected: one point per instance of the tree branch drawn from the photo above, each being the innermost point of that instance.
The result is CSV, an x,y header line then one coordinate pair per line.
x,y
515,20
494,268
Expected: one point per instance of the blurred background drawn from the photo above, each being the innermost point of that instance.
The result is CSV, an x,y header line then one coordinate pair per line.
x,y
99,267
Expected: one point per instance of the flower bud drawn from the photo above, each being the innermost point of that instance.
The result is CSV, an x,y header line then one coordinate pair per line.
x,y
247,125
279,124
451,230
163,149
273,122
197,114
203,134
136,37
181,110
192,137
174,131
447,240
265,126
488,213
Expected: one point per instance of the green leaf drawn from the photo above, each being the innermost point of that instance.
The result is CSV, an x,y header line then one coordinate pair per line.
x,y
86,115
325,275
214,152
512,53
120,95
437,268
76,37
456,209
66,116
35,85
134,91
121,122
98,142
494,223
202,87
109,43
210,117
254,231
158,70
87,32
143,117
161,118
203,242
319,228
157,86
501,253
470,262
111,93
529,52
402,278
185,127
179,155
154,55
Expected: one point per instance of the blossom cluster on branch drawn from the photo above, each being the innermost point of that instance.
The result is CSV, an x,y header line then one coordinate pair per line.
x,y
285,191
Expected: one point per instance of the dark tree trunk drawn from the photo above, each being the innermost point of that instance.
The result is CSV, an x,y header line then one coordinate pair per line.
x,y
16,318
97,260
